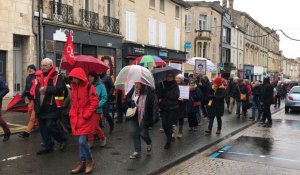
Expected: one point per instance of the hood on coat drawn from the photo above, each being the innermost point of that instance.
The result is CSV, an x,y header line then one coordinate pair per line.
x,y
79,74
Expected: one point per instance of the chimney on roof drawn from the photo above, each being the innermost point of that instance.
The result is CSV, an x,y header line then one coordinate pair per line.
x,y
231,4
224,3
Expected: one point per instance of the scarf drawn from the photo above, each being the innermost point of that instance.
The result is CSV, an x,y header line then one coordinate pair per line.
x,y
141,107
45,80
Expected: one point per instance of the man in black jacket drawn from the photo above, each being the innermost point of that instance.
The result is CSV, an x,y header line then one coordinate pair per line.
x,y
46,104
3,91
267,100
168,104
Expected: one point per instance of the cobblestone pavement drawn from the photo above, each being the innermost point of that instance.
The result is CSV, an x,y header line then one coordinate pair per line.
x,y
202,164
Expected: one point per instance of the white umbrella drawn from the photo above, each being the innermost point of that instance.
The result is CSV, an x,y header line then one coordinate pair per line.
x,y
210,66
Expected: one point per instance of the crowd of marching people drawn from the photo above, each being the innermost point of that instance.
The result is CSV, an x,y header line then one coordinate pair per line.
x,y
79,102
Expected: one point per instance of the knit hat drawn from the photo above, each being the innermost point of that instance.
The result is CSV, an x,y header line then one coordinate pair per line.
x,y
218,81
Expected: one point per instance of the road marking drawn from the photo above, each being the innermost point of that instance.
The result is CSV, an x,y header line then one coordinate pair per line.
x,y
14,157
240,153
226,148
214,155
285,159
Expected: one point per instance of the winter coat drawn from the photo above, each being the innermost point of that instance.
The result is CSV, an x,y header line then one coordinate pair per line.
x,y
267,94
238,90
83,104
195,96
44,105
102,95
150,113
109,85
217,96
256,92
29,81
280,90
230,91
169,95
3,88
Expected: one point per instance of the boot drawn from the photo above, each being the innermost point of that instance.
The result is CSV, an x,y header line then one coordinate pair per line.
x,y
89,167
180,132
208,131
174,134
79,168
218,131
103,142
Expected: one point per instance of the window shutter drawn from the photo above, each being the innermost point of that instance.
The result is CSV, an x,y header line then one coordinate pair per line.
x,y
164,38
133,24
197,22
177,38
162,34
128,15
208,23
152,31
189,23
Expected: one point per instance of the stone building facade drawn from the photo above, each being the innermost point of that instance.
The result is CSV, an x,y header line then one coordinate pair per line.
x,y
17,42
154,27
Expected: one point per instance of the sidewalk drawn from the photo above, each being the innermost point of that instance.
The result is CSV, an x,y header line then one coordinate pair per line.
x,y
114,159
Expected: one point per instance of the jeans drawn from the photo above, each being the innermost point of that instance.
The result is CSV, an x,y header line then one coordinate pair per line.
x,y
256,110
106,110
3,124
84,149
231,104
267,113
167,118
49,129
211,122
137,133
240,104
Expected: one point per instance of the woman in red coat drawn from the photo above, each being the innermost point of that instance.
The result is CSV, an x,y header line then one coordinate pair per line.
x,y
84,102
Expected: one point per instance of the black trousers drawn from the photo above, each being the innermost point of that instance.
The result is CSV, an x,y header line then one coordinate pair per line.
x,y
211,121
192,119
267,113
277,100
167,118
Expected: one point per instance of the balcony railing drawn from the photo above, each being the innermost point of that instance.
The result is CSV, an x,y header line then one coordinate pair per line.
x,y
61,12
89,19
111,24
204,35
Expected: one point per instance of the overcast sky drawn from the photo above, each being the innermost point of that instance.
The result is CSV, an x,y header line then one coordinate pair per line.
x,y
276,14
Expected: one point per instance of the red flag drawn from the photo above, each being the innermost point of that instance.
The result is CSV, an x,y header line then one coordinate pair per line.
x,y
68,53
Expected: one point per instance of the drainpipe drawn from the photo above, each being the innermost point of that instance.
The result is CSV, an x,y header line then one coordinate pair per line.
x,y
41,32
36,35
221,39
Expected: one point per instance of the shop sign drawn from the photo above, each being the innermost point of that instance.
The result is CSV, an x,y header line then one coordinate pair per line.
x,y
138,50
163,53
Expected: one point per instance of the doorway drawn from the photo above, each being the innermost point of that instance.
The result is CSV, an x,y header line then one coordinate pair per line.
x,y
17,64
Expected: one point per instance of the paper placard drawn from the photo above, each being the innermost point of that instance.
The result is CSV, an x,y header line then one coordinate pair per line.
x,y
184,92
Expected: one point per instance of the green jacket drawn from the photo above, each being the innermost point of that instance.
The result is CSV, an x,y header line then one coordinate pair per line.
x,y
102,94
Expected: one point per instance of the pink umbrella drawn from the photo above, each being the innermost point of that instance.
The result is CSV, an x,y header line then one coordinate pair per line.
x,y
87,63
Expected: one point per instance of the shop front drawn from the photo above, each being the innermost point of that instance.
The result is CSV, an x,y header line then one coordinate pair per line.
x,y
85,43
258,73
132,50
249,72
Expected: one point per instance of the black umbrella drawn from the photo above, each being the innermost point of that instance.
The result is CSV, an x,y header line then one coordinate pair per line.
x,y
160,74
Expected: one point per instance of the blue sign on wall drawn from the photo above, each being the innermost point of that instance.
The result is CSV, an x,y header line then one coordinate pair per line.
x,y
187,45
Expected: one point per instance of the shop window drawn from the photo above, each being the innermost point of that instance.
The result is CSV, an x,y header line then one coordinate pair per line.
x,y
89,50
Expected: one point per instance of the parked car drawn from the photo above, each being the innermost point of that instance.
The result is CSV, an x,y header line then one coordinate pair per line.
x,y
292,99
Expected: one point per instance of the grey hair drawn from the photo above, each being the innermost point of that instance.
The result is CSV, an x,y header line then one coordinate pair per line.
x,y
48,60
180,76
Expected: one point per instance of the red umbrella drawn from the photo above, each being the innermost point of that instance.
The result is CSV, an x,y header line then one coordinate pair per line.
x,y
87,63
17,104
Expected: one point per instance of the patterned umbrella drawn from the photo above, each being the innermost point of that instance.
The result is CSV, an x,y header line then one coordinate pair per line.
x,y
144,60
131,74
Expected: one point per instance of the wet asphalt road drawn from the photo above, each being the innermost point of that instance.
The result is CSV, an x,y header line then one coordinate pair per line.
x,y
18,156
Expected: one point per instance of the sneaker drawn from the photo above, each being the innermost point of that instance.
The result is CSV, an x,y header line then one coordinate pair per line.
x,y
135,155
208,131
24,134
149,148
103,142
179,135
6,136
44,151
63,146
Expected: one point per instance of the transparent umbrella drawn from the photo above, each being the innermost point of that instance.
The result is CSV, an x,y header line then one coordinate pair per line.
x,y
131,74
